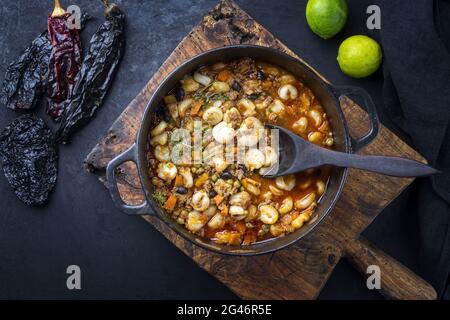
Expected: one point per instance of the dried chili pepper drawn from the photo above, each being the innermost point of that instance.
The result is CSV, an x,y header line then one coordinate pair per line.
x,y
26,77
96,74
29,156
65,61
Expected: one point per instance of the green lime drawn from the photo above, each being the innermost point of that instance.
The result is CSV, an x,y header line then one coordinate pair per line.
x,y
359,56
326,17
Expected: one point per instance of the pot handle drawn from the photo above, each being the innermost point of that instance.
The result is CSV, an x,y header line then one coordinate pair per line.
x,y
111,183
369,106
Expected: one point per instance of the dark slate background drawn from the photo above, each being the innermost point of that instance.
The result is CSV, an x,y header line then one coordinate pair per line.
x,y
121,256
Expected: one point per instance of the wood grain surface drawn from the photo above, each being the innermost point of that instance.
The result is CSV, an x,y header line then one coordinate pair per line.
x,y
300,271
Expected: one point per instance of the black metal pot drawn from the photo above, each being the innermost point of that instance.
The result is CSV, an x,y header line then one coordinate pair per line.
x,y
328,95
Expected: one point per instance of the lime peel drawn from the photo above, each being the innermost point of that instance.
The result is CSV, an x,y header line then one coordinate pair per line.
x,y
359,56
326,18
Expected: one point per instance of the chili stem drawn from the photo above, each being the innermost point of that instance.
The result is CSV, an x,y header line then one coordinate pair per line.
x,y
58,10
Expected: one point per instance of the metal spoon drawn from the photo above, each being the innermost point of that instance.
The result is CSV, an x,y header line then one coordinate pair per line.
x,y
296,154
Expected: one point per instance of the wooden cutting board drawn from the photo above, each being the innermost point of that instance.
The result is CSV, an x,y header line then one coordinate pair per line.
x,y
300,271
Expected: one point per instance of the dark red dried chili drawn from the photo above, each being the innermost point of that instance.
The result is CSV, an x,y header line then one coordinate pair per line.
x,y
65,62
27,76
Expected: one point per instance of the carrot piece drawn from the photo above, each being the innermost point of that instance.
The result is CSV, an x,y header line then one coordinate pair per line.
x,y
201,180
240,227
170,203
218,199
224,75
249,238
178,180
234,239
224,211
196,107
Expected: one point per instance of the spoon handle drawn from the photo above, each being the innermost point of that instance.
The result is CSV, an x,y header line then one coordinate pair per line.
x,y
391,166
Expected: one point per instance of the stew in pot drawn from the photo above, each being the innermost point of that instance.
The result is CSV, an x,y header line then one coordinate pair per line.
x,y
217,114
